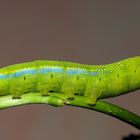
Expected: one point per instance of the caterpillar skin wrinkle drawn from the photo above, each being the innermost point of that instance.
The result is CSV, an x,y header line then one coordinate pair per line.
x,y
93,81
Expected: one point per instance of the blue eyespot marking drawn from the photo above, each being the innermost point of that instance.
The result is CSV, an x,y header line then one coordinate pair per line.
x,y
24,71
94,73
76,71
32,71
51,69
45,70
18,73
3,76
84,71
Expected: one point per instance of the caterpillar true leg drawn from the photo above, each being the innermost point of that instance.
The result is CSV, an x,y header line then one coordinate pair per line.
x,y
16,90
55,101
16,93
92,100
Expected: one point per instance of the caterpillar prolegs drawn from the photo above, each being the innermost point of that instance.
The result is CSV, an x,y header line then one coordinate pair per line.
x,y
70,79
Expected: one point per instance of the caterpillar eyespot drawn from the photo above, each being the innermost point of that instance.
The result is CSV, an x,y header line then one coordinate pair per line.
x,y
70,79
51,76
77,77
100,79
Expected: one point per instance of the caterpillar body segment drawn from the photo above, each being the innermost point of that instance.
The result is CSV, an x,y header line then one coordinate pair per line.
x,y
70,79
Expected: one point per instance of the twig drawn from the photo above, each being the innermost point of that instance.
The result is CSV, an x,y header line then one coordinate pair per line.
x,y
79,101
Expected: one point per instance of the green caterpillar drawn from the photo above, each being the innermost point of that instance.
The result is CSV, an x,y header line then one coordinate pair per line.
x,y
93,81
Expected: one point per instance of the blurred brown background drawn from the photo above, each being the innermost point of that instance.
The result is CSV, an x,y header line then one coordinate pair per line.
x,y
91,32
